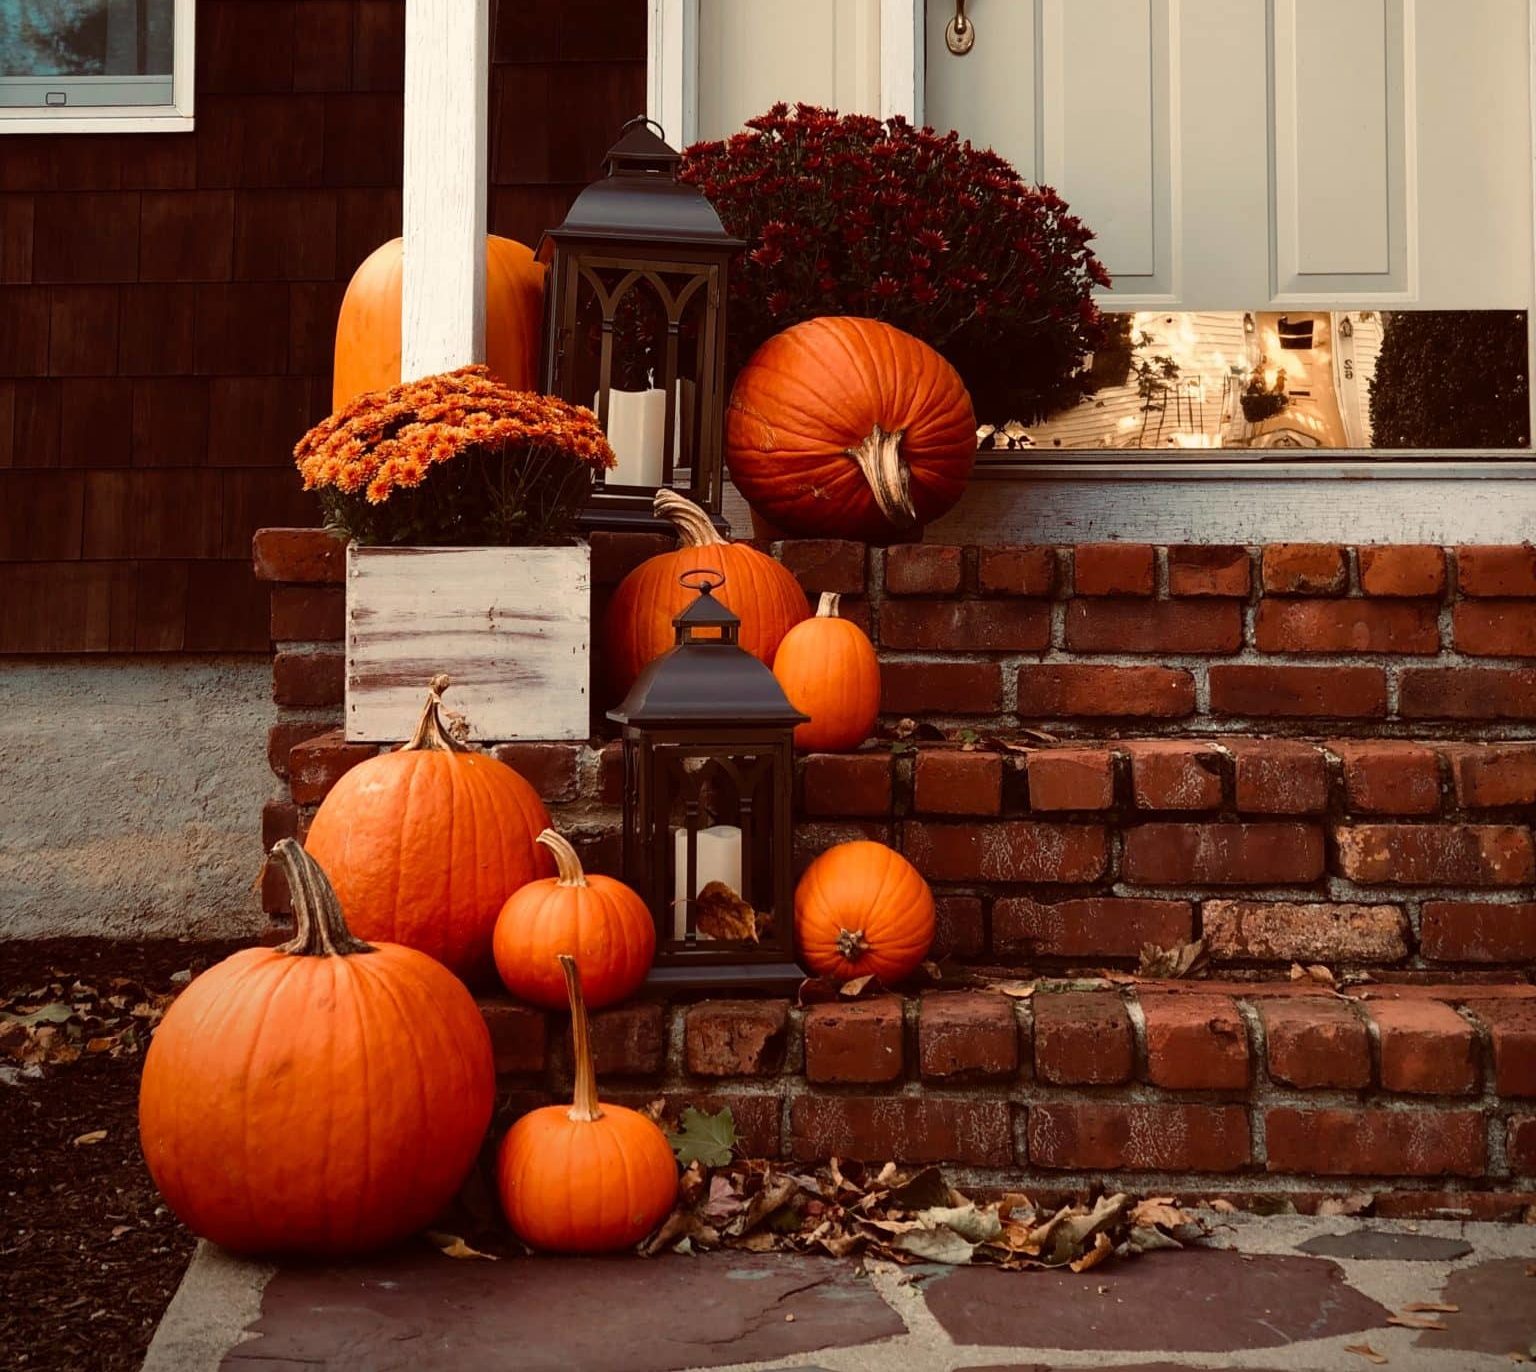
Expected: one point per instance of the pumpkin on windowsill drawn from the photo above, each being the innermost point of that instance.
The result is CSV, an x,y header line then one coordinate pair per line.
x,y
843,427
828,669
325,1097
585,1177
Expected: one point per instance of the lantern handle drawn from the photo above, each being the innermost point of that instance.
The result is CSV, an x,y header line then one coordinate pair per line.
x,y
661,133
704,580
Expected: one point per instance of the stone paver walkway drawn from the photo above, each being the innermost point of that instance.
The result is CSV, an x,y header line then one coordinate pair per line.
x,y
1278,1294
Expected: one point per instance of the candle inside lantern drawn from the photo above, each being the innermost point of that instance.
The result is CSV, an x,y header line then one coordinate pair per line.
x,y
637,424
718,858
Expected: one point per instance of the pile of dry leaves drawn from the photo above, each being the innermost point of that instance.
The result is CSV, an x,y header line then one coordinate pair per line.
x,y
61,1021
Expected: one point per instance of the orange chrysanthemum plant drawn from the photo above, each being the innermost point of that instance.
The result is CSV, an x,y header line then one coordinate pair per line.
x,y
452,460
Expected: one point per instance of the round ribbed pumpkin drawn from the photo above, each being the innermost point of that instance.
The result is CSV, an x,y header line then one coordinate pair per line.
x,y
425,844
849,428
828,669
585,1177
762,593
862,909
368,328
324,1097
601,921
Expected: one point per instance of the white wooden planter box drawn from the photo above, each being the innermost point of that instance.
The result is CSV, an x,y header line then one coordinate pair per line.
x,y
510,626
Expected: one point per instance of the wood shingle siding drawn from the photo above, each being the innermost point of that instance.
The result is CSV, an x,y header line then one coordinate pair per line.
x,y
168,301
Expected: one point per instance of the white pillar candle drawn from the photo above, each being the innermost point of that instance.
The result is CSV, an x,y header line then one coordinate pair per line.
x,y
637,423
717,858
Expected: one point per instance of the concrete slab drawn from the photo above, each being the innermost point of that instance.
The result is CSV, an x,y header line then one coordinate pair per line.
x,y
1372,1245
1498,1310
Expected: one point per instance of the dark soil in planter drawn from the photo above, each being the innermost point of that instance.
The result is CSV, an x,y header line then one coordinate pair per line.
x,y
89,1256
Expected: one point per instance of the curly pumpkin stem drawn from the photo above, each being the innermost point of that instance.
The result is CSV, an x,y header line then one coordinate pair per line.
x,y
694,527
879,458
431,733
851,944
567,864
827,606
584,1106
321,928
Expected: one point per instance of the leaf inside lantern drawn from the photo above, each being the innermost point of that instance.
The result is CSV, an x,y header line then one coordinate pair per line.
x,y
723,914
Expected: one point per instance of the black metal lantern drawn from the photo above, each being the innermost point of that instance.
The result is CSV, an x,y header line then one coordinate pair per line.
x,y
635,327
708,782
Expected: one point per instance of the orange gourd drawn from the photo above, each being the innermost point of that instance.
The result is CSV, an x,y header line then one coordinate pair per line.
x,y
368,328
425,844
849,428
585,1178
828,669
761,592
324,1097
601,921
862,909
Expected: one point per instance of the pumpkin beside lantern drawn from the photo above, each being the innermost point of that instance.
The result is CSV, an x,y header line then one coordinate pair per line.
x,y
585,1178
368,327
862,909
828,669
425,844
601,921
843,427
324,1097
761,592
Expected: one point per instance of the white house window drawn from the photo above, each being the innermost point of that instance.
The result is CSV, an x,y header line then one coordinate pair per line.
x,y
95,66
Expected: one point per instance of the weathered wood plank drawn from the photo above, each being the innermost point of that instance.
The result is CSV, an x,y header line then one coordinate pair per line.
x,y
510,626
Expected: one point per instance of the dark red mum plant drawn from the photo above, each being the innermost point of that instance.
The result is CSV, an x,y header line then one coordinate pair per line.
x,y
846,214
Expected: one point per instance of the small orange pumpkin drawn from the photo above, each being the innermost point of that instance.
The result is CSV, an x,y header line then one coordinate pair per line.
x,y
843,427
368,328
862,909
585,1178
828,669
601,921
425,844
761,592
324,1097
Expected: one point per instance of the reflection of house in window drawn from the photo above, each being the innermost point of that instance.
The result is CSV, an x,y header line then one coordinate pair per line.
x,y
86,52
1294,333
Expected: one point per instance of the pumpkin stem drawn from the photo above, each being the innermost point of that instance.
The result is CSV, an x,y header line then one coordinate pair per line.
x,y
584,1106
851,944
431,733
827,607
321,928
694,527
879,458
566,862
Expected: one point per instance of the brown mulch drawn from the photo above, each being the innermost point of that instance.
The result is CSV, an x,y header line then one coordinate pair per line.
x,y
89,1257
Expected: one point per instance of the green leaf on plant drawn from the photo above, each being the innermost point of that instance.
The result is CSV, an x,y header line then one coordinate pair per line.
x,y
706,1139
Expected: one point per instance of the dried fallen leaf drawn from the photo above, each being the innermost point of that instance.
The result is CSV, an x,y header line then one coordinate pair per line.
x,y
1181,960
95,1136
1416,1322
1433,1307
723,914
1364,1350
1315,972
1157,1210
452,1246
1355,1203
1224,1206
852,990
1102,1248
1019,990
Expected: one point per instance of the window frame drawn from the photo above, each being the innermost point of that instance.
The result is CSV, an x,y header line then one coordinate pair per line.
x,y
1187,493
175,117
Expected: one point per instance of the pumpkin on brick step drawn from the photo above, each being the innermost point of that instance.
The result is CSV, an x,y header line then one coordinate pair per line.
x,y
762,593
849,428
585,1177
862,909
368,328
601,921
323,1097
828,669
425,844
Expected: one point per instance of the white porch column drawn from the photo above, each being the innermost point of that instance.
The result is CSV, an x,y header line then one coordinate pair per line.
x,y
447,80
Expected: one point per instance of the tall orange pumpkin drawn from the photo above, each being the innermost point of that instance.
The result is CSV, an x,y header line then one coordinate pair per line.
x,y
324,1097
761,592
584,1177
862,909
425,844
368,329
828,669
849,428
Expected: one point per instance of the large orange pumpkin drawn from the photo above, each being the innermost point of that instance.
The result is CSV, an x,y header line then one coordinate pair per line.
x,y
601,921
425,844
368,329
585,1178
862,909
324,1097
849,428
828,669
761,592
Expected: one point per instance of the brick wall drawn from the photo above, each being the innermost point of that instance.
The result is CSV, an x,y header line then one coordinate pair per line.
x,y
168,301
